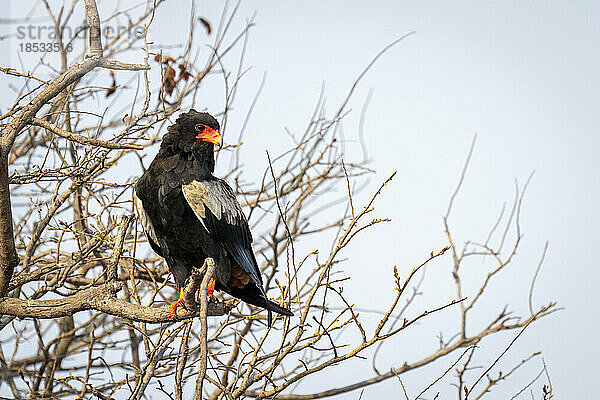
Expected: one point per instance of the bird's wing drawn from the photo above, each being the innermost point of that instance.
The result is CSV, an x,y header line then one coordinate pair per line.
x,y
215,205
147,225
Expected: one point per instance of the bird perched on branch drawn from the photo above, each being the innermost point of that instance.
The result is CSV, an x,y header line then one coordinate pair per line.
x,y
188,214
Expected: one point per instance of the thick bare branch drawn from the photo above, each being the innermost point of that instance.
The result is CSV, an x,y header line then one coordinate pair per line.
x,y
99,299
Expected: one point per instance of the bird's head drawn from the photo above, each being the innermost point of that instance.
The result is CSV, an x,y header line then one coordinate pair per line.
x,y
193,133
202,126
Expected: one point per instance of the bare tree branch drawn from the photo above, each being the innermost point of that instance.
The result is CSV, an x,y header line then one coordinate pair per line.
x,y
83,139
99,299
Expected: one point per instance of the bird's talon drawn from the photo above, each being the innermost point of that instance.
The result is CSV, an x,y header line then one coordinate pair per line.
x,y
173,306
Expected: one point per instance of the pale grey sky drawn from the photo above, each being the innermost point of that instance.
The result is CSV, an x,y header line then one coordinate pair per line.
x,y
524,77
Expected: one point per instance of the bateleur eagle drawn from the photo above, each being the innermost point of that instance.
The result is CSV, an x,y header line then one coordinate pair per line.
x,y
188,214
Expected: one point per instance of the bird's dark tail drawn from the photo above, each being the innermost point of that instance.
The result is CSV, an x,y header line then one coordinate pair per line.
x,y
256,298
278,309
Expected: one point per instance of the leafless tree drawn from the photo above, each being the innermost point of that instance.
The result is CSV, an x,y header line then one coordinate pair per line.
x,y
81,293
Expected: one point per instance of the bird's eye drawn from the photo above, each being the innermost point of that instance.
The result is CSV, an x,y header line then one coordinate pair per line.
x,y
200,127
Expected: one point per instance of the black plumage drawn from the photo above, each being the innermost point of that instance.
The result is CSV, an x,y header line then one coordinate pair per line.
x,y
188,214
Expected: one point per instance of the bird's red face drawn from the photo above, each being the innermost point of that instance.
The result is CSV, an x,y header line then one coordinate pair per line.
x,y
208,134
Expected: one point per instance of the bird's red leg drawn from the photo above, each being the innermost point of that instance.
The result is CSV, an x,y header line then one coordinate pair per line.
x,y
210,289
173,306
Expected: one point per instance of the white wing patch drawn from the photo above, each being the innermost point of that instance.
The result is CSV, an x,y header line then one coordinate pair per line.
x,y
146,223
215,195
196,195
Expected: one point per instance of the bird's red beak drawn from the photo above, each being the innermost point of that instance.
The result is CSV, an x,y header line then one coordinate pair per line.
x,y
208,134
